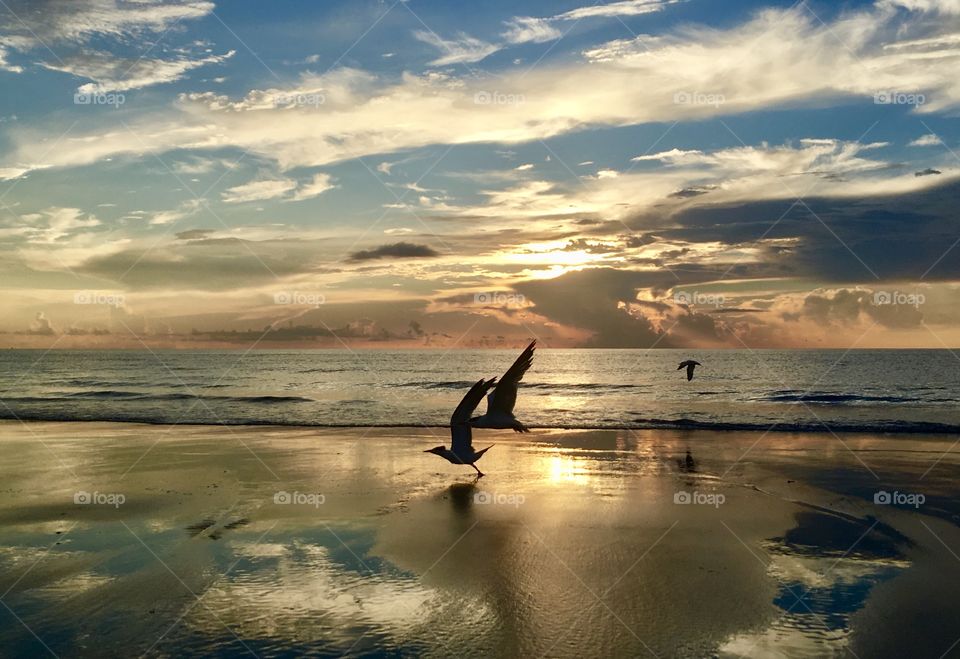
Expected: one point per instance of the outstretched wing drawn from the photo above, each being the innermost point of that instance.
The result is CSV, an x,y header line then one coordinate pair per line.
x,y
690,367
470,401
461,439
503,399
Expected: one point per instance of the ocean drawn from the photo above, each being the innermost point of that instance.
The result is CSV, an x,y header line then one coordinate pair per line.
x,y
809,390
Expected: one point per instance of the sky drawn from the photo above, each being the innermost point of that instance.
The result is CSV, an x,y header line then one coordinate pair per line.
x,y
635,173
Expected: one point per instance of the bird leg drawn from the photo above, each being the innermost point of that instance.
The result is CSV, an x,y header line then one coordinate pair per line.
x,y
479,473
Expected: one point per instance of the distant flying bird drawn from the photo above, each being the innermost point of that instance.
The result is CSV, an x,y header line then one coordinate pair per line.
x,y
690,364
503,398
461,443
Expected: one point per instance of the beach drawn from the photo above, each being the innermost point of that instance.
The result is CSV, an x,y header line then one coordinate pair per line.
x,y
173,540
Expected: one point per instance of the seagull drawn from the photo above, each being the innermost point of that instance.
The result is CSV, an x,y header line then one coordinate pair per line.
x,y
461,434
503,398
690,364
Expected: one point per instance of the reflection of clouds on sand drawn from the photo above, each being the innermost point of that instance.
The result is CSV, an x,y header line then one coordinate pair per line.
x,y
317,590
822,581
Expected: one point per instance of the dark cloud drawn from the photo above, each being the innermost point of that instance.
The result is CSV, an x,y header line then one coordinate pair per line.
x,y
858,240
194,234
401,250
591,300
206,264
890,308
693,191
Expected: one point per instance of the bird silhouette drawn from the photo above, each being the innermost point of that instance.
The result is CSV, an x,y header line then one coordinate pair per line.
x,y
690,365
461,434
503,398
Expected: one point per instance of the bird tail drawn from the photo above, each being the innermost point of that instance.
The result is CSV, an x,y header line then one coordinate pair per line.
x,y
479,454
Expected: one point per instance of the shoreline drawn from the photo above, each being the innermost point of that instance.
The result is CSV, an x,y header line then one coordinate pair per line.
x,y
929,430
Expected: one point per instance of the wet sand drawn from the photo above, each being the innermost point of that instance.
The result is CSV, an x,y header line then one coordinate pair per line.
x,y
124,540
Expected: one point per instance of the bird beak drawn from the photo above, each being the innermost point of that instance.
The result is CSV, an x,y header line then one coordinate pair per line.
x,y
428,451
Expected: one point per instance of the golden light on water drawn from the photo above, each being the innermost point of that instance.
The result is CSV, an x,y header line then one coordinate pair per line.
x,y
565,470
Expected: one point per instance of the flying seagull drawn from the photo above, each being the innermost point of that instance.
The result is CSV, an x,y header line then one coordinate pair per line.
x,y
461,434
503,398
690,364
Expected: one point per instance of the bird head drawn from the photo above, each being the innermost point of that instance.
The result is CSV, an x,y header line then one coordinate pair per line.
x,y
436,450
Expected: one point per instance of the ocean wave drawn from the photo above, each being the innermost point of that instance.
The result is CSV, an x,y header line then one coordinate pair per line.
x,y
116,395
836,398
826,427
552,386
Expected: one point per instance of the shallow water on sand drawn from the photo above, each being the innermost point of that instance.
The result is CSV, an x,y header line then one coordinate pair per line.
x,y
572,546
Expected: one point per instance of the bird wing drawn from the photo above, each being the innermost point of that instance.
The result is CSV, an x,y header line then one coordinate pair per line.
x,y
470,401
690,367
461,439
682,364
504,397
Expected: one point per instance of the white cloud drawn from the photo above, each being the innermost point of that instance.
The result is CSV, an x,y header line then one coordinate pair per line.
x,y
30,23
524,29
926,140
462,50
63,29
112,74
258,190
803,61
813,167
5,65
52,225
941,6
316,187
673,155
625,8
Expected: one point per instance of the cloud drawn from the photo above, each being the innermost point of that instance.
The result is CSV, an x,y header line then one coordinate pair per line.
x,y
64,28
624,8
52,225
462,50
319,184
7,66
41,325
117,74
524,29
401,250
926,140
639,85
79,20
258,191
194,234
